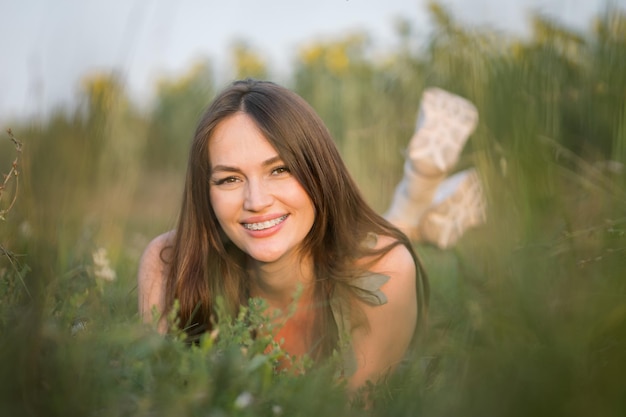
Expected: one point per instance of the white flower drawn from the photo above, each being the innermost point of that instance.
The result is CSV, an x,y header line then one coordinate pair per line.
x,y
277,410
102,268
78,326
243,400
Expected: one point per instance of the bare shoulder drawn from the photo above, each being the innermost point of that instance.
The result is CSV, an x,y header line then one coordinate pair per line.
x,y
152,256
400,290
152,275
382,344
397,263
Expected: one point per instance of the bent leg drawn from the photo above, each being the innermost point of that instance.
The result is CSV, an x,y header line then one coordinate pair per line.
x,y
444,124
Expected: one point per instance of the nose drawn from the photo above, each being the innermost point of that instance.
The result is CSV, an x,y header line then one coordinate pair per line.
x,y
257,196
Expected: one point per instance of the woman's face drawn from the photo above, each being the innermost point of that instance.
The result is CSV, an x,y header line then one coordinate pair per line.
x,y
261,207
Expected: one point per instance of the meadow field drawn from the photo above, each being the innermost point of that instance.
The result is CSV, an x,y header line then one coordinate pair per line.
x,y
527,312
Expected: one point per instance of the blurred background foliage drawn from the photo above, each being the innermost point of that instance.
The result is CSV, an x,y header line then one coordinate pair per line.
x,y
528,314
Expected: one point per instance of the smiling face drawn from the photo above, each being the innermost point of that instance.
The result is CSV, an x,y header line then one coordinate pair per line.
x,y
258,203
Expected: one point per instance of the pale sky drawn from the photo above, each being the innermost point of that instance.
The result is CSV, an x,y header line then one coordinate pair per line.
x,y
47,46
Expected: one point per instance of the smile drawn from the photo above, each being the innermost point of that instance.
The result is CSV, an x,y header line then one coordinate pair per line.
x,y
266,224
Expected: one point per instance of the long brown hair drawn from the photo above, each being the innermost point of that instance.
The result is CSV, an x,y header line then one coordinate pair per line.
x,y
205,265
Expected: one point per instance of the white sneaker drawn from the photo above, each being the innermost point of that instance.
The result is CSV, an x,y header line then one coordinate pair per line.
x,y
459,205
445,122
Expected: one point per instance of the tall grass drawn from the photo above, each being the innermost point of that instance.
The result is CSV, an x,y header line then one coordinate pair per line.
x,y
527,312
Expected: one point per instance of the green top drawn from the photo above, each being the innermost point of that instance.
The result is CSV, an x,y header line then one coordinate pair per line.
x,y
367,289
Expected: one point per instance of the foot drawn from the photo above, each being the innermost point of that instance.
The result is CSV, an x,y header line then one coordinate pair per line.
x,y
444,124
458,206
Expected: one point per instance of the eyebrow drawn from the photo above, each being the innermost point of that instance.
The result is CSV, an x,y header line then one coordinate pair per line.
x,y
226,168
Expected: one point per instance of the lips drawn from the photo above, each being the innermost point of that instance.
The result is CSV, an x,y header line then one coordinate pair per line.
x,y
266,224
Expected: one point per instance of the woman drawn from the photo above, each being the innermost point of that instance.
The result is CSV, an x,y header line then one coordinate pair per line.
x,y
270,210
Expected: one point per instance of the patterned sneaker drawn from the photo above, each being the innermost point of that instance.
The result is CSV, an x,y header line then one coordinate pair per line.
x,y
444,124
459,205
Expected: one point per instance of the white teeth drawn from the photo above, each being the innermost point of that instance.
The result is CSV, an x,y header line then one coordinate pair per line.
x,y
265,225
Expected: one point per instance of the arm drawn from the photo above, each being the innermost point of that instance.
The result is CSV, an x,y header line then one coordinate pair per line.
x,y
381,345
151,280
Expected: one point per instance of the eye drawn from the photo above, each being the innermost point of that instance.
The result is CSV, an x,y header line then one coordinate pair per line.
x,y
226,180
280,170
